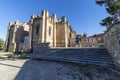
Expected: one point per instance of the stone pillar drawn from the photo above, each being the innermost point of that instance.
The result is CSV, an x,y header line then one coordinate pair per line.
x,y
45,15
66,36
54,30
15,29
14,35
43,24
31,33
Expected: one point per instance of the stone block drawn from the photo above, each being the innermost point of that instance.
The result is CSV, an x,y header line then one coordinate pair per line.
x,y
40,48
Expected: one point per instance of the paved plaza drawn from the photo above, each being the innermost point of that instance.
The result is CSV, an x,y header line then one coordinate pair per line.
x,y
10,68
48,70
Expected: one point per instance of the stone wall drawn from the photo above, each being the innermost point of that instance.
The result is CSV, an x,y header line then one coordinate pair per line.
x,y
40,48
16,34
11,48
112,42
60,35
72,42
24,47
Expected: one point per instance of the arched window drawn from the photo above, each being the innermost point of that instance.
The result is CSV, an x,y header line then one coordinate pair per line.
x,y
49,31
37,30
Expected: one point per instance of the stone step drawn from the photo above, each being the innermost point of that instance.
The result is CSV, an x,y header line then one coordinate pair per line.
x,y
83,56
90,52
76,51
85,52
77,54
80,57
97,56
94,58
87,59
79,62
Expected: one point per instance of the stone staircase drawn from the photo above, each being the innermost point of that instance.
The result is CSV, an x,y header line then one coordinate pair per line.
x,y
96,56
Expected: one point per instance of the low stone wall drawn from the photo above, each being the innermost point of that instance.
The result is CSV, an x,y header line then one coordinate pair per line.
x,y
112,42
40,48
24,47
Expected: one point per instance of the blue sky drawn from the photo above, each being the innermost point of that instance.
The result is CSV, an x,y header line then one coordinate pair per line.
x,y
83,15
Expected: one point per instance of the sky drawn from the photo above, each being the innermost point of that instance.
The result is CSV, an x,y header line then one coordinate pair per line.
x,y
83,15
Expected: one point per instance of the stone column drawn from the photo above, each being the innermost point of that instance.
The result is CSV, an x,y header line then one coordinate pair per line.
x,y
54,30
64,22
30,32
45,15
13,39
66,36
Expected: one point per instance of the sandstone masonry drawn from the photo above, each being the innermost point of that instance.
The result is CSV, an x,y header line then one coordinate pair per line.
x,y
40,29
17,37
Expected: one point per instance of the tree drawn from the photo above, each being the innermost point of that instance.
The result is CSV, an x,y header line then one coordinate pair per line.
x,y
1,43
113,8
107,21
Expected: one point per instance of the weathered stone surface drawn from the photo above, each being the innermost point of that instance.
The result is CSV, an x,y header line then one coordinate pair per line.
x,y
49,70
22,37
112,41
48,29
96,56
17,37
40,48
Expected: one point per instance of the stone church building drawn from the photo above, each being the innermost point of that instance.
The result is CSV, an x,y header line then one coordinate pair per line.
x,y
22,37
17,37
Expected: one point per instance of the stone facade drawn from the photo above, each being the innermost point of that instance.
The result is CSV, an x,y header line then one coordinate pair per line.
x,y
41,48
96,40
17,37
83,40
49,29
112,41
90,41
40,29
